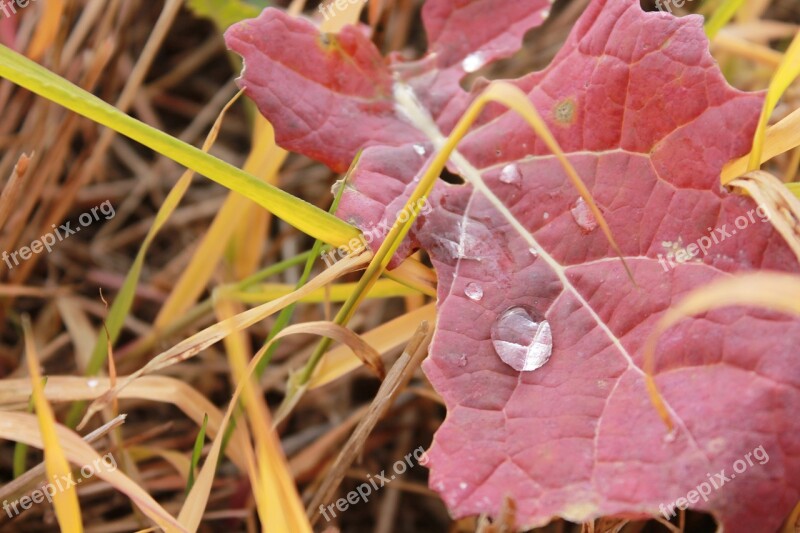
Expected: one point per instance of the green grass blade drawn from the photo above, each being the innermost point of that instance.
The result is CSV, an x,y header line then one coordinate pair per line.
x,y
286,313
20,448
196,452
300,214
723,14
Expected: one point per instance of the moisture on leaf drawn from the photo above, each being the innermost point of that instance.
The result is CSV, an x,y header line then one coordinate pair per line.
x,y
538,349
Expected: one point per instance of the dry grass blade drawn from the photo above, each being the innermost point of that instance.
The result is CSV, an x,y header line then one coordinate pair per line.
x,y
31,292
365,353
269,473
26,482
341,17
782,207
152,388
399,375
505,521
389,336
329,331
778,292
282,506
22,427
13,188
178,460
213,334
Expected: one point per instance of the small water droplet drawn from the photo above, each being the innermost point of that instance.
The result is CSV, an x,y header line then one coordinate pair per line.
x,y
522,339
670,437
458,359
474,292
533,252
583,216
473,62
462,486
92,383
419,149
511,174
546,215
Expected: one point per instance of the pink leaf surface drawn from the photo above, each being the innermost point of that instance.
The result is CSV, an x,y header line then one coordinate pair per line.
x,y
648,121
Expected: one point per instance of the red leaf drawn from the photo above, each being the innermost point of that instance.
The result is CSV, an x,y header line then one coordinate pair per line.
x,y
645,116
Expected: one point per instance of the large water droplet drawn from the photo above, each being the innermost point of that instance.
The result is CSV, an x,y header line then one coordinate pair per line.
x,y
473,62
583,215
473,291
511,174
522,339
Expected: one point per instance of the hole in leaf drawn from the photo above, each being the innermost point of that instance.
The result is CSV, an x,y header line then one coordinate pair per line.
x,y
451,178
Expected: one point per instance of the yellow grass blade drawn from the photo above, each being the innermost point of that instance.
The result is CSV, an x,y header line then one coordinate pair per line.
x,y
22,427
339,292
787,72
415,275
65,502
778,292
266,487
47,29
384,338
780,138
793,522
283,508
